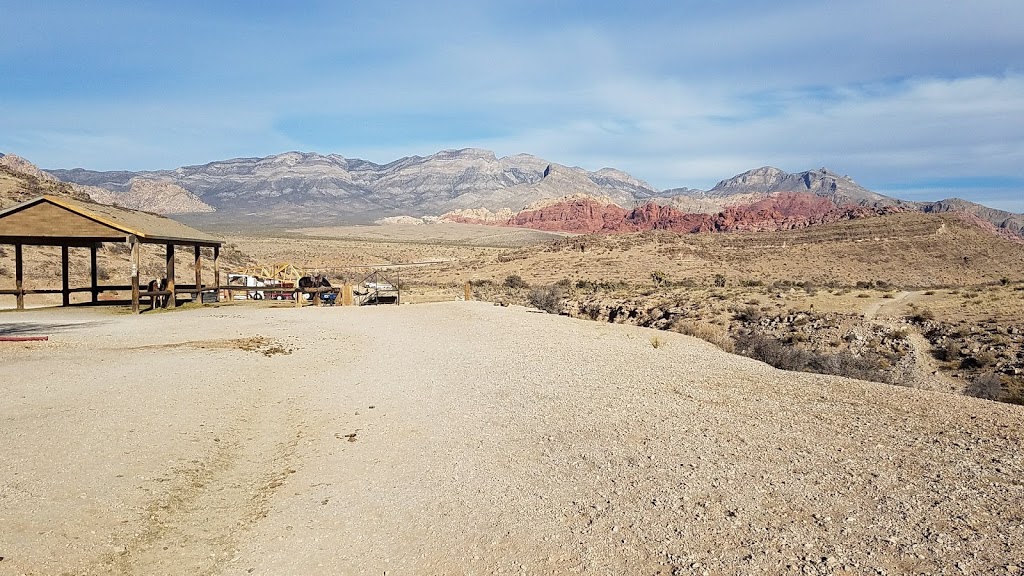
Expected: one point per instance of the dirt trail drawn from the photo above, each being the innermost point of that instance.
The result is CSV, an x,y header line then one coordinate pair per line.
x,y
875,307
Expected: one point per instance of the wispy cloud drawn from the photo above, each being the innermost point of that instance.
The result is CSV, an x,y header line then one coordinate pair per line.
x,y
680,93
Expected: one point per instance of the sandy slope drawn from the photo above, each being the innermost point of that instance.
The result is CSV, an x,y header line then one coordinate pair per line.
x,y
467,438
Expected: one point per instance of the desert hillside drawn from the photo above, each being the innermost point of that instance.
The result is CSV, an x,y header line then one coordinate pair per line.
x,y
904,249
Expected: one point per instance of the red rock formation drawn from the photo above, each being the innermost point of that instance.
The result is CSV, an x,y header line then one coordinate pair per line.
x,y
784,211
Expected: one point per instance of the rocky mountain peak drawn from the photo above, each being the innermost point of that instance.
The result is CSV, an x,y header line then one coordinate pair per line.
x,y
465,154
762,179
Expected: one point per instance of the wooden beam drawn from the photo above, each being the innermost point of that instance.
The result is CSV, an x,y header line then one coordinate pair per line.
x,y
64,280
468,292
199,275
19,275
135,273
172,300
94,272
216,270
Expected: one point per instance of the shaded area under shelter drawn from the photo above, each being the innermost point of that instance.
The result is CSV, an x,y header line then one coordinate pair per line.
x,y
69,223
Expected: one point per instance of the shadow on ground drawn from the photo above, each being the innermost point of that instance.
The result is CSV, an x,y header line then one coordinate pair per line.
x,y
41,328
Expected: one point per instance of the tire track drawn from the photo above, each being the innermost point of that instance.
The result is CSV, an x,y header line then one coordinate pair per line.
x,y
195,523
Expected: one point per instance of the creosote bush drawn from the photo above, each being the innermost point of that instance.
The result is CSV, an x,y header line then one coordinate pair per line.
x,y
987,386
546,298
784,356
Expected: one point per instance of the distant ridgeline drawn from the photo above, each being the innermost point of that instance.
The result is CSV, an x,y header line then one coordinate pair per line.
x,y
473,185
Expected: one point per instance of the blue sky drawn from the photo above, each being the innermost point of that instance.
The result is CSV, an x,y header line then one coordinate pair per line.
x,y
918,98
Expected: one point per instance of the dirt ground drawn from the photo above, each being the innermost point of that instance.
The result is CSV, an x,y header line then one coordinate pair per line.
x,y
466,438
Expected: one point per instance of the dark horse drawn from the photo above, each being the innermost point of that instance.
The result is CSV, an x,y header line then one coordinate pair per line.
x,y
155,286
318,281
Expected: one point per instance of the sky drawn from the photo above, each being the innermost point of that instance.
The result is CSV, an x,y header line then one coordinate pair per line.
x,y
921,99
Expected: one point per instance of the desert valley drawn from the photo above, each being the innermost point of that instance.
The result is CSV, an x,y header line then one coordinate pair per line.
x,y
786,373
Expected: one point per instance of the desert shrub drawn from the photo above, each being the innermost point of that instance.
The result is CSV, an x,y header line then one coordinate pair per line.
x,y
798,337
779,354
948,352
565,284
863,295
772,351
484,283
516,282
1014,389
748,314
929,292
3,251
987,386
979,360
849,365
657,342
921,316
1004,281
659,277
546,298
719,281
751,283
102,273
706,332
594,286
5,271
864,284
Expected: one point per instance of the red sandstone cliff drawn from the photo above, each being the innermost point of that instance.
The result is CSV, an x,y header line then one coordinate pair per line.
x,y
784,211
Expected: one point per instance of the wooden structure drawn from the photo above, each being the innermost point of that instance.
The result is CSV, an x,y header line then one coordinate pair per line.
x,y
68,223
378,289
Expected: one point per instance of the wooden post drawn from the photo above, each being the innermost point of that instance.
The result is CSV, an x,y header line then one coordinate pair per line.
x,y
346,295
468,291
172,299
199,275
64,281
135,273
216,270
94,273
299,295
19,276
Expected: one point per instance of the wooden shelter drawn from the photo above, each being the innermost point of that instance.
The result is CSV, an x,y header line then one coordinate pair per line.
x,y
65,222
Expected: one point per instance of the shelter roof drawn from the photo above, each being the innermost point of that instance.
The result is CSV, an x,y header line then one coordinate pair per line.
x,y
51,219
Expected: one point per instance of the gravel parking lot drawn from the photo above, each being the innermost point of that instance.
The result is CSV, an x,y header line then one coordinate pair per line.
x,y
465,438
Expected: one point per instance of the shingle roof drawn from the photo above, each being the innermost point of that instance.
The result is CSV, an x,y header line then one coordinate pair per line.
x,y
145,225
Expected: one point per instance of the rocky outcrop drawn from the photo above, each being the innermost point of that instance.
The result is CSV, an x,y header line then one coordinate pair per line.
x,y
20,180
400,220
159,196
785,211
760,183
1001,219
823,182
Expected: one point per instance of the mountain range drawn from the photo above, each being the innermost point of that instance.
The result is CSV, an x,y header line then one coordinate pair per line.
x,y
296,188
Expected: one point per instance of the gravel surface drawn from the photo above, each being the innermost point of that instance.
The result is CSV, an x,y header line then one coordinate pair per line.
x,y
464,438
